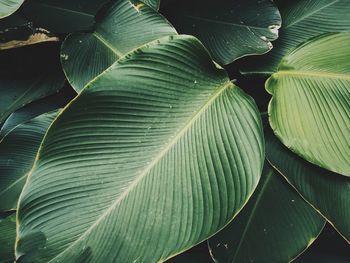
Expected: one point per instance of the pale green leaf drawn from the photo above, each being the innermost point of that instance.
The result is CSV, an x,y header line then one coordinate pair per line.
x,y
17,154
124,27
310,106
329,193
276,225
154,156
7,7
302,20
229,29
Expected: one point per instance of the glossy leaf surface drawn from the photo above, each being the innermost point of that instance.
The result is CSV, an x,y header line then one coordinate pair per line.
x,y
310,106
124,27
302,20
328,192
151,158
229,29
276,225
17,154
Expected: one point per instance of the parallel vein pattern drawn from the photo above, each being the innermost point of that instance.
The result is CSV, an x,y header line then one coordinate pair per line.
x,y
153,157
310,108
17,154
124,27
276,222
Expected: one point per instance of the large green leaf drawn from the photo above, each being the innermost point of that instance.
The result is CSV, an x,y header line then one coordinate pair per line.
x,y
7,7
229,29
276,225
302,19
124,27
62,16
7,239
153,157
310,107
28,74
17,154
329,193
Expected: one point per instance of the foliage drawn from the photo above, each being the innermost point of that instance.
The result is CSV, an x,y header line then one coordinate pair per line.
x,y
124,140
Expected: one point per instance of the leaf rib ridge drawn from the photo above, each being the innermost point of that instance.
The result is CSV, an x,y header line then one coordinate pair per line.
x,y
139,177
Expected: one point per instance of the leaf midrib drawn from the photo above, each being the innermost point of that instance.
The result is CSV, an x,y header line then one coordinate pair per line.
x,y
308,73
149,167
310,14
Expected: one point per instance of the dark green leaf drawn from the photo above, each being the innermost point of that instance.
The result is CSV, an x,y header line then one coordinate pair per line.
x,y
28,74
7,239
276,225
329,193
229,29
17,154
62,16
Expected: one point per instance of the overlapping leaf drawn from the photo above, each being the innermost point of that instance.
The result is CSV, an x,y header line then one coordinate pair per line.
x,y
17,154
36,108
329,193
62,16
275,226
302,20
153,157
310,107
7,7
26,75
7,238
124,27
229,29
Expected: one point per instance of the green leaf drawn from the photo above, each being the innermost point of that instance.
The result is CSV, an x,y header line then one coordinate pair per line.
x,y
302,20
36,108
123,28
276,225
62,16
7,7
310,107
7,239
28,74
153,157
229,29
329,193
17,154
